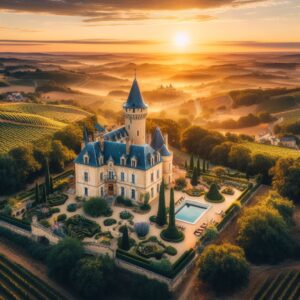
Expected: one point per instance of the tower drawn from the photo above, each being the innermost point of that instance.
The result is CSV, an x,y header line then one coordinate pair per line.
x,y
135,111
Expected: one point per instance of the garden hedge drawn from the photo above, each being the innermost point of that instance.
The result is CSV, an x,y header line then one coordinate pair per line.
x,y
16,222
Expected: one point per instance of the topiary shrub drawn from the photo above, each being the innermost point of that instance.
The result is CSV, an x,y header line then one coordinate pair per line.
x,y
124,201
56,199
141,229
72,207
96,207
152,219
213,195
125,215
171,251
109,222
61,217
54,210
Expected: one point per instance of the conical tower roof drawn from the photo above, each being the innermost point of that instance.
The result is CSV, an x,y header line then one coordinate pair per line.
x,y
135,99
157,139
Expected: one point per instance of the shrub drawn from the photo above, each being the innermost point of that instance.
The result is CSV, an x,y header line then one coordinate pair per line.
x,y
180,183
54,210
228,191
109,222
171,250
223,267
96,207
125,215
213,195
141,229
152,219
124,201
45,223
72,207
56,199
194,192
61,217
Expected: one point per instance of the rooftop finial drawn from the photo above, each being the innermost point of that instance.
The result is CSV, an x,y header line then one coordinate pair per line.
x,y
134,73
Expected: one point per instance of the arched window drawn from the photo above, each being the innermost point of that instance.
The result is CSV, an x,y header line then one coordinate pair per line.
x,y
133,162
123,161
86,159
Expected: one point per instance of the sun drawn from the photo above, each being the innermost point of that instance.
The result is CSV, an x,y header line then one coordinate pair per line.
x,y
181,39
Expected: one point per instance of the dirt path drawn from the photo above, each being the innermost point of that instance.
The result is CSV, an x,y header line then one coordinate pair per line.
x,y
16,255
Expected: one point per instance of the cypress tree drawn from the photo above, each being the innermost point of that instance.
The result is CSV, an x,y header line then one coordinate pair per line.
x,y
125,245
207,165
198,166
161,218
192,162
37,193
194,179
51,185
47,178
44,195
172,232
203,165
186,165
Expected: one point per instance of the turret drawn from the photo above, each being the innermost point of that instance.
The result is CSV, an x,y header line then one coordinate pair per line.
x,y
135,111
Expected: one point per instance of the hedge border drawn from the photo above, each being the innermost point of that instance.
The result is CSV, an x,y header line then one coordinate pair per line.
x,y
16,222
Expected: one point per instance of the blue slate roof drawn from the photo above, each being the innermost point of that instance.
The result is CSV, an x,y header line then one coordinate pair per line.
x,y
157,139
135,99
116,134
114,150
164,151
99,128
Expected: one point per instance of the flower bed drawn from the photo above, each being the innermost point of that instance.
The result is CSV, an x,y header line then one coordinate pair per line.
x,y
81,227
125,215
228,191
109,222
194,192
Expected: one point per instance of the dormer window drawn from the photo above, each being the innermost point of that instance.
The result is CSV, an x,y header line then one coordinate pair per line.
x,y
123,161
133,162
157,157
86,159
152,160
101,160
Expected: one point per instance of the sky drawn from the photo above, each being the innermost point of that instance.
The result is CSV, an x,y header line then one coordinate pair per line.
x,y
149,26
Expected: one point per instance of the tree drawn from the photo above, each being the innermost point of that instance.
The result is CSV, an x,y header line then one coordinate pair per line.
x,y
207,165
213,195
96,207
37,193
161,218
192,162
44,195
286,178
191,139
264,235
239,157
186,165
90,276
203,165
223,267
63,257
180,183
171,233
198,167
51,185
194,179
59,155
219,154
47,177
261,164
125,244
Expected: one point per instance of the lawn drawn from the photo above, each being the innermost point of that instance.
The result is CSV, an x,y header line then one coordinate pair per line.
x,y
274,151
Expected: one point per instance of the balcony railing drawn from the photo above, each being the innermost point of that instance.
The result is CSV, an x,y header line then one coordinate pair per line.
x,y
110,178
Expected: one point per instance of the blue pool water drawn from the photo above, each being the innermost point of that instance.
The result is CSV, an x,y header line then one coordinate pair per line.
x,y
190,213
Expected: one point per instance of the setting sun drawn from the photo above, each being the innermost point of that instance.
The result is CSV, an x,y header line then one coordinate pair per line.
x,y
181,39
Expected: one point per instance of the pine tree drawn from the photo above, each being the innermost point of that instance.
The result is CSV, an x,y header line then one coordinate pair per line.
x,y
192,162
172,232
44,195
47,178
161,218
37,193
125,245
198,167
194,179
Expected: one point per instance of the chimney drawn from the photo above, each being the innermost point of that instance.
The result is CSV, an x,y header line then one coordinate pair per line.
x,y
166,140
128,144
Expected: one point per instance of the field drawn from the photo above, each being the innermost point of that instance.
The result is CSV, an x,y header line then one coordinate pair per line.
x,y
18,283
286,285
23,123
289,116
273,151
62,113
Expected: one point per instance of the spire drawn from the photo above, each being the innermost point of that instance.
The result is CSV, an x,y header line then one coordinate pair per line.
x,y
157,139
135,99
85,136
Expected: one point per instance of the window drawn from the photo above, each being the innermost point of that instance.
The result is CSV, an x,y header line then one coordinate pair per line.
x,y
122,176
123,161
101,160
86,191
133,194
133,162
86,176
110,175
152,177
152,192
137,133
157,174
152,160
132,178
122,191
157,188
101,191
86,159
101,176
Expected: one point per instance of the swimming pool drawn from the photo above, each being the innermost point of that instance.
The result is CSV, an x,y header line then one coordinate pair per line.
x,y
190,212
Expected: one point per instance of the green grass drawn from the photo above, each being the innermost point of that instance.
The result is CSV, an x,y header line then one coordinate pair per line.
x,y
62,113
289,116
274,151
12,135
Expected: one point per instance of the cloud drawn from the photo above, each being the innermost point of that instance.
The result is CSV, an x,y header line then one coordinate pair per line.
x,y
100,8
259,45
